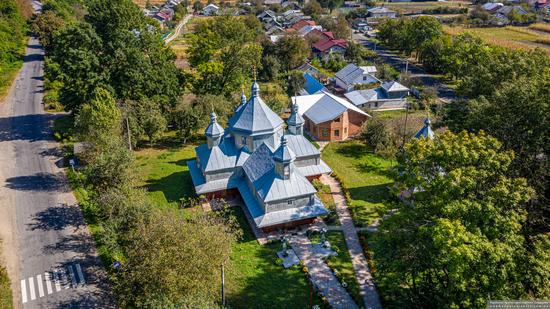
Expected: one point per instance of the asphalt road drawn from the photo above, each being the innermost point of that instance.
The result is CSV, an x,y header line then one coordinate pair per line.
x,y
51,257
444,92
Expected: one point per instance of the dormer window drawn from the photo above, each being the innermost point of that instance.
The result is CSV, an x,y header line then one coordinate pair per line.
x,y
243,141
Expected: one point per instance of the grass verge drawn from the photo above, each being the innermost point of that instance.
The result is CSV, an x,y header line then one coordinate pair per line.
x,y
5,289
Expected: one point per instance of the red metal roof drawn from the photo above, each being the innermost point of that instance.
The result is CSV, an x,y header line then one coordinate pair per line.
x,y
303,23
326,45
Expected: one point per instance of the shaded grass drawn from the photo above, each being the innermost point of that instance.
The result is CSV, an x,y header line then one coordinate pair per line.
x,y
364,175
342,262
5,290
165,175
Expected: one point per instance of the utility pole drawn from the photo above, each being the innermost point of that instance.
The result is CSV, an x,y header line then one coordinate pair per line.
x,y
128,132
223,287
405,128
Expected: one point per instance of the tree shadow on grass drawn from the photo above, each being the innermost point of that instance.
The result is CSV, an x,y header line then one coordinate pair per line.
x,y
174,186
353,150
372,194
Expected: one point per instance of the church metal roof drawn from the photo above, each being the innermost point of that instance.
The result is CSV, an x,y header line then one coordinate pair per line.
x,y
255,116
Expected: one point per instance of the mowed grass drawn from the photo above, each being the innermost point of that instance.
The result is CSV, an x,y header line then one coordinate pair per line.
x,y
253,280
508,37
364,174
165,175
5,290
342,262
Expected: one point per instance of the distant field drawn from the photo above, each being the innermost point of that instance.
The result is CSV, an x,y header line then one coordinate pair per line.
x,y
418,7
509,37
141,3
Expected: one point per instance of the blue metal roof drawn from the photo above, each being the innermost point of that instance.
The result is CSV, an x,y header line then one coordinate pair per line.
x,y
312,85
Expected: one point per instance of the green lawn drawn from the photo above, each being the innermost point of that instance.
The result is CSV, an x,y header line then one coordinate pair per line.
x,y
5,290
363,174
164,173
342,262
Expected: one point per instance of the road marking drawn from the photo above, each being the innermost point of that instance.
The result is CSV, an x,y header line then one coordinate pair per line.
x,y
56,281
40,287
81,279
31,287
47,277
73,278
23,291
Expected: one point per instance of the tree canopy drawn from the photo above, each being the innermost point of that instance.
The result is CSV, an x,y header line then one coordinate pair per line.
x,y
457,242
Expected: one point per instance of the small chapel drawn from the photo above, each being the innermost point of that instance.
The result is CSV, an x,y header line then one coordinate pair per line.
x,y
269,165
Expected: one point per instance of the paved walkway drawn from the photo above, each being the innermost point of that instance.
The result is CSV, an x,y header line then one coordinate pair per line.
x,y
360,265
321,275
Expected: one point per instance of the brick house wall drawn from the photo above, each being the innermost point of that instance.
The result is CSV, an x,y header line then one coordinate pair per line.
x,y
339,129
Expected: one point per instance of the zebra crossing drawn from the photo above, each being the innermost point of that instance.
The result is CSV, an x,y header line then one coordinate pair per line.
x,y
54,281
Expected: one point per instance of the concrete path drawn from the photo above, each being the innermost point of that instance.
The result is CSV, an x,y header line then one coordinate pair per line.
x,y
178,29
360,265
321,274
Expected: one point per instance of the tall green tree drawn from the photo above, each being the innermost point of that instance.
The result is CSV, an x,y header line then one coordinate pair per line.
x,y
457,242
292,51
173,258
99,120
518,114
223,51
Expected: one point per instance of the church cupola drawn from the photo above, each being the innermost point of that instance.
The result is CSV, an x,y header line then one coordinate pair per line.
x,y
213,132
255,89
284,159
426,130
295,121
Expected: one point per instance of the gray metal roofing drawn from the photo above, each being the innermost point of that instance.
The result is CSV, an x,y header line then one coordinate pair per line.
x,y
328,107
310,170
301,146
359,97
426,130
349,73
214,129
203,187
219,157
271,187
258,163
255,116
393,86
283,153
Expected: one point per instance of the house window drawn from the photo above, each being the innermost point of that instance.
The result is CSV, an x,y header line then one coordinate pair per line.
x,y
290,202
336,132
243,140
345,130
375,104
364,77
324,132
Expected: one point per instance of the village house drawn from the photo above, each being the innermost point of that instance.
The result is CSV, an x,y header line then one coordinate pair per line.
x,y
269,167
210,10
312,85
381,12
352,75
323,49
317,35
328,117
390,95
